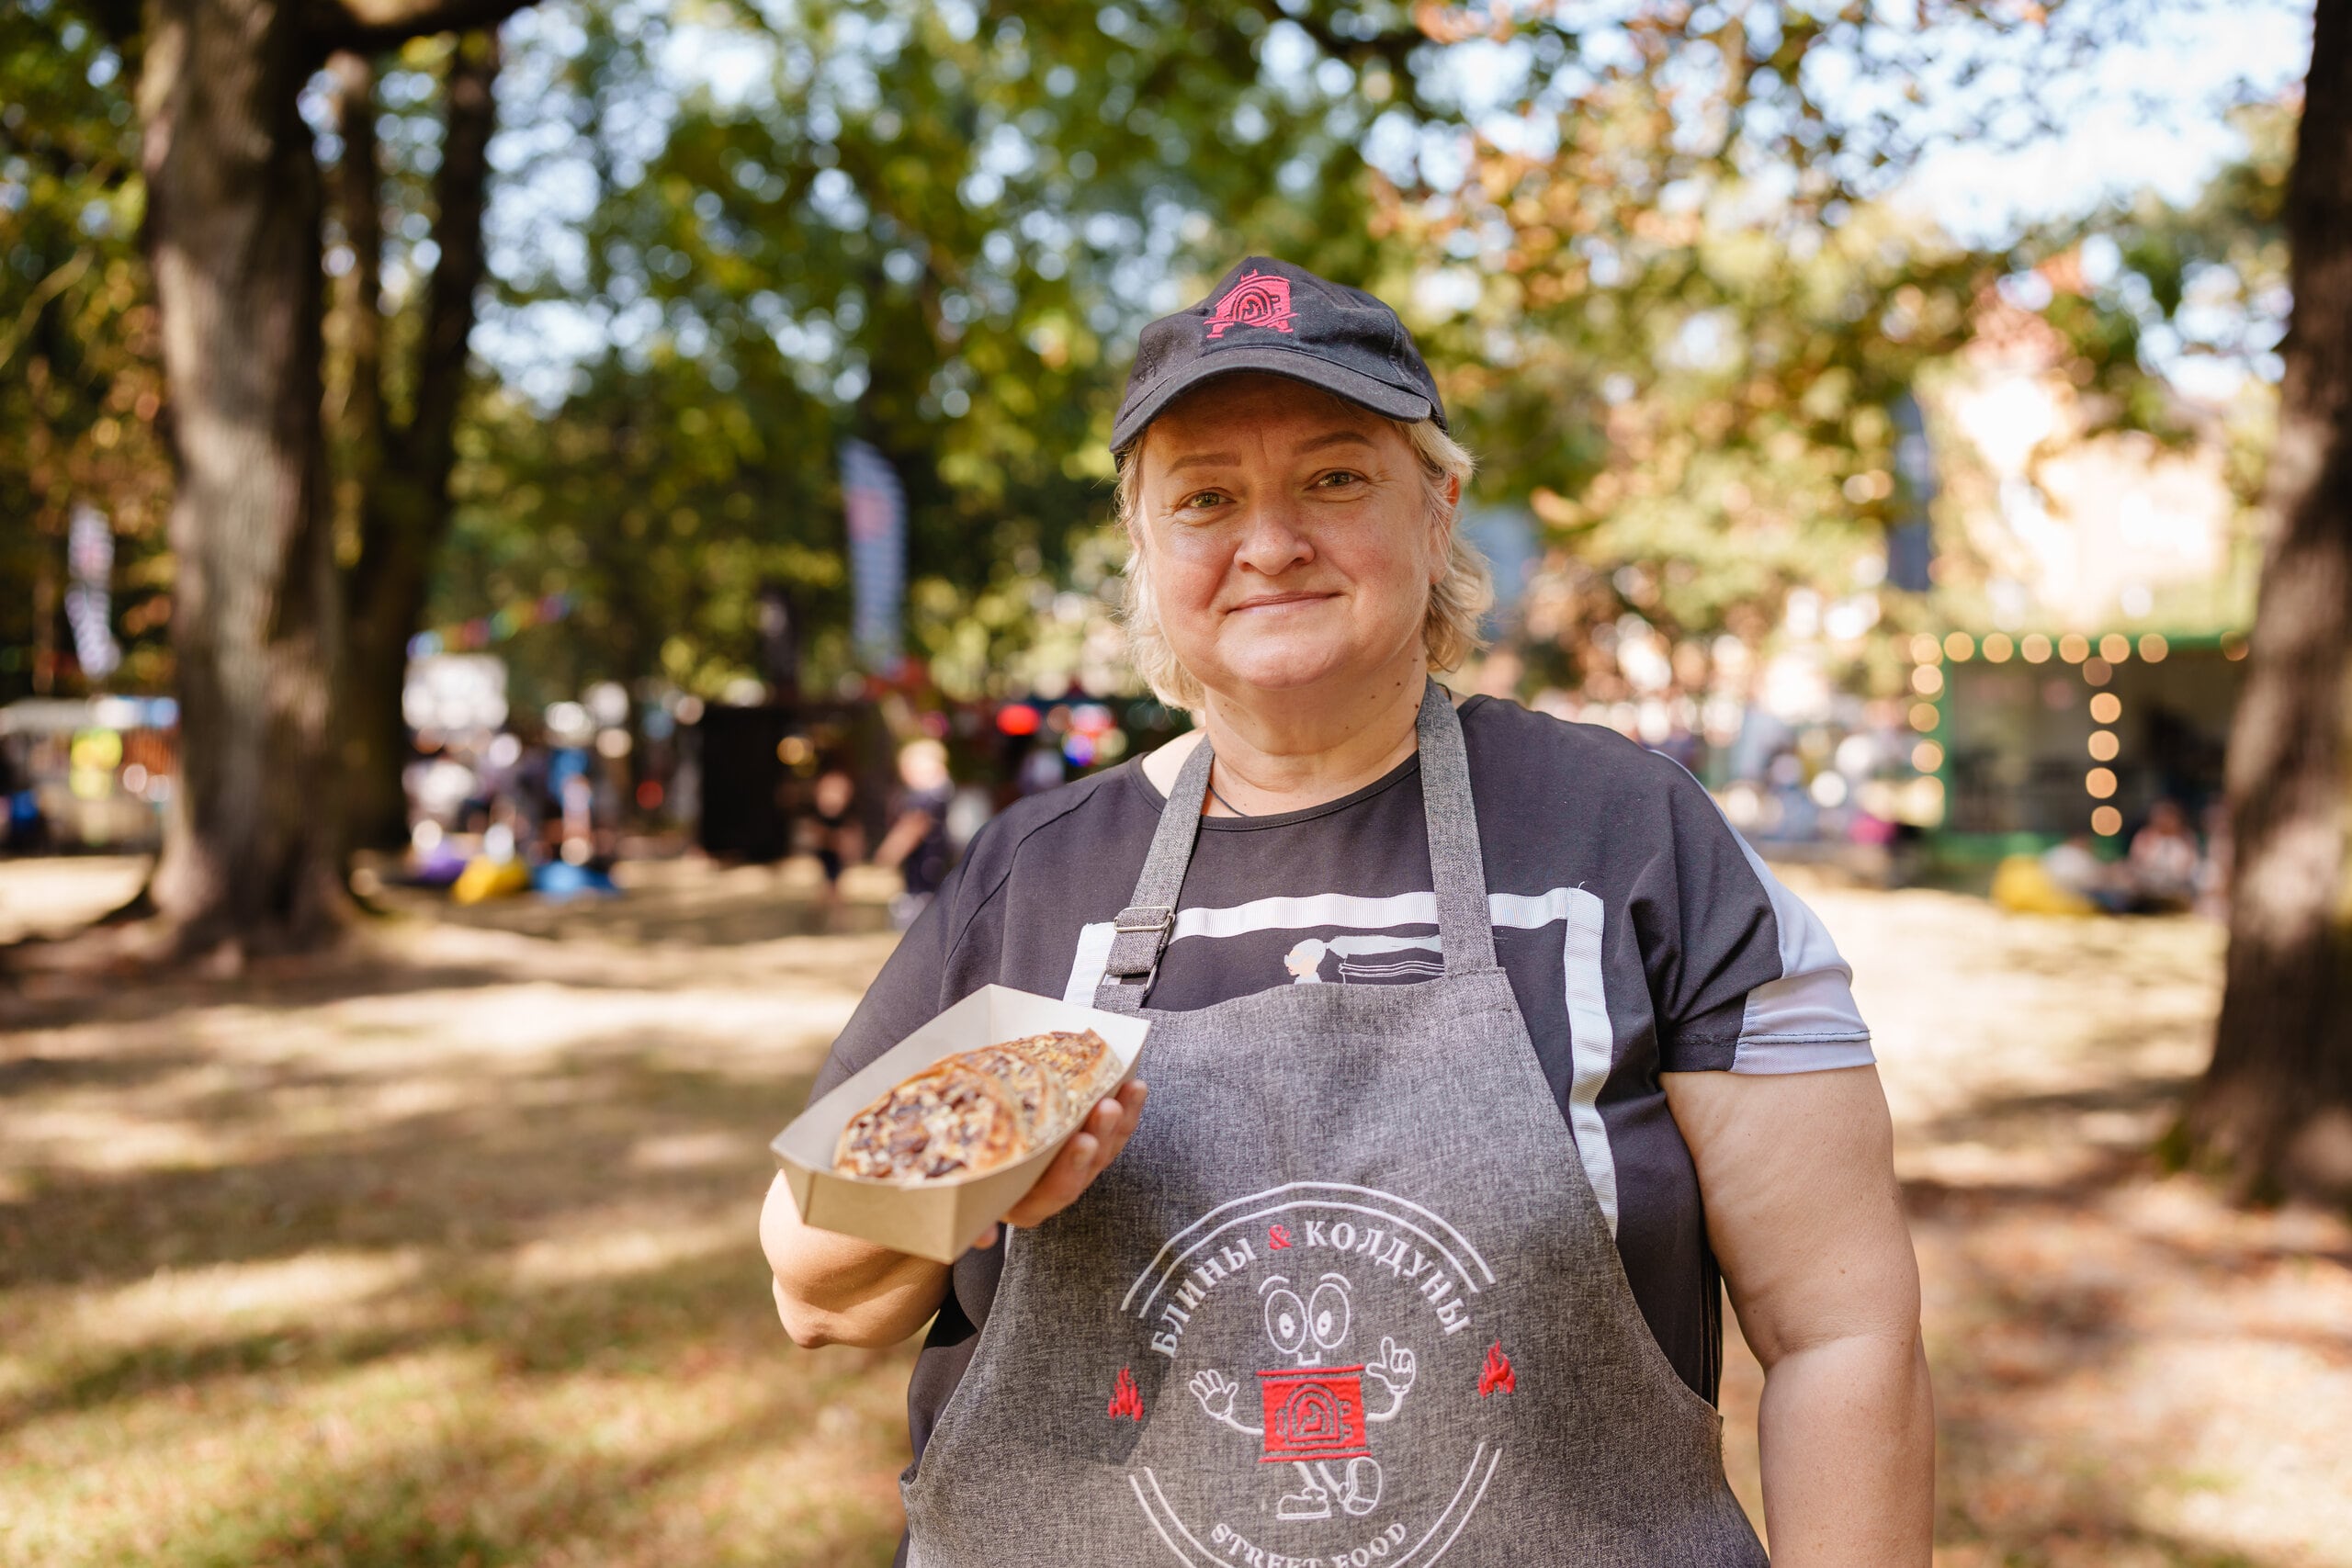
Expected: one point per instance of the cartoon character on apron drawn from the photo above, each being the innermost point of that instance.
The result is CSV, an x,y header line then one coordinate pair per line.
x,y
1312,1416
1180,1368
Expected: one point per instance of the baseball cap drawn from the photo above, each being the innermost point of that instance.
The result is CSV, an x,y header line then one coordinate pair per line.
x,y
1270,316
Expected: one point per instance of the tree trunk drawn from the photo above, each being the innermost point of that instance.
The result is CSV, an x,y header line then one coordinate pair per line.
x,y
403,490
2275,1105
252,854
374,742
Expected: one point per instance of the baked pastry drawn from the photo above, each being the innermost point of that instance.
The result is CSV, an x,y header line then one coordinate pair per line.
x,y
1083,1059
977,1109
1041,1098
947,1120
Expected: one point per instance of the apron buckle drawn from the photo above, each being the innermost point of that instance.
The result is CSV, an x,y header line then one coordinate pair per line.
x,y
1139,934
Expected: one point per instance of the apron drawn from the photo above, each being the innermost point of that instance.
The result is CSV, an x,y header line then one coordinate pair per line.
x,y
1346,1298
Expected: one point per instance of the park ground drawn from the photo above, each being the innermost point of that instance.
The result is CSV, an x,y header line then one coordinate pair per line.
x,y
441,1251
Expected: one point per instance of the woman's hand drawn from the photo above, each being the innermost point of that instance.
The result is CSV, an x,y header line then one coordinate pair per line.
x,y
1095,1144
836,1290
1797,1174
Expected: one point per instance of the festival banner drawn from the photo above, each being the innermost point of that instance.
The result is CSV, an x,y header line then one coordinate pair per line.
x,y
875,508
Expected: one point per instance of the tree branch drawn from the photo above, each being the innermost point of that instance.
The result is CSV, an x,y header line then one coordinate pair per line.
x,y
460,191
367,27
405,514
49,288
359,413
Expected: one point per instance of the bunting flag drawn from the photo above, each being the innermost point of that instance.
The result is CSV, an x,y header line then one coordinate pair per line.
x,y
484,630
875,508
1911,542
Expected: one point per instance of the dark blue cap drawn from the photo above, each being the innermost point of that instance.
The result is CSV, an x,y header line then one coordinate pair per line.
x,y
1270,316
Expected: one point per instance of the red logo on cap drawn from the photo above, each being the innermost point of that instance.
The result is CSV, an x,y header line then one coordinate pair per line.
x,y
1260,300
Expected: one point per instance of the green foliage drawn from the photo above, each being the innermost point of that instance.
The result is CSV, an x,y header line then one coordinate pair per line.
x,y
80,389
1662,306
1668,318
1703,424
923,227
1644,256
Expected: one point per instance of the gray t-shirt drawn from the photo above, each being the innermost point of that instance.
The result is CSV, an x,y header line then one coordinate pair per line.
x,y
1640,933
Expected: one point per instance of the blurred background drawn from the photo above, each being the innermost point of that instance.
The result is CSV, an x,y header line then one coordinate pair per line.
x,y
531,536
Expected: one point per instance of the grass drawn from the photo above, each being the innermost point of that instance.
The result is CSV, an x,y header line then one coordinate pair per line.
x,y
440,1254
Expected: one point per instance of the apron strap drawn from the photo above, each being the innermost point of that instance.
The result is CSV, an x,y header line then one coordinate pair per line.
x,y
1457,868
1141,930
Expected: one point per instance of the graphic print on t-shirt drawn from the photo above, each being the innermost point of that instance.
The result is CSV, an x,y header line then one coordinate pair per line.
x,y
1340,1344
1364,960
1337,937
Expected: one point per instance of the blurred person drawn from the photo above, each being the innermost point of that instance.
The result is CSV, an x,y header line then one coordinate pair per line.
x,y
496,768
916,844
1042,767
568,827
608,787
1793,816
437,785
966,815
1685,747
29,831
1471,1199
2164,859
530,788
28,825
839,838
2074,867
2213,871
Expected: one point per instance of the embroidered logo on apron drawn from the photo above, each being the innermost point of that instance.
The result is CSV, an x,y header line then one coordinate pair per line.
x,y
1346,1307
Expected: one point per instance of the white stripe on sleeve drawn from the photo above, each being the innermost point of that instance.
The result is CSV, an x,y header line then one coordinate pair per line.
x,y
1805,1021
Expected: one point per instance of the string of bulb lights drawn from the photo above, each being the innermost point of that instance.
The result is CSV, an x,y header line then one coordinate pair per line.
x,y
2097,660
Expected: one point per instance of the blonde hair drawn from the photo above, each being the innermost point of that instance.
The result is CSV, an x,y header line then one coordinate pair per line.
x,y
1458,599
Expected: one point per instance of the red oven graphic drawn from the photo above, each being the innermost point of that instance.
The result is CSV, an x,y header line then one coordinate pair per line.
x,y
1313,1413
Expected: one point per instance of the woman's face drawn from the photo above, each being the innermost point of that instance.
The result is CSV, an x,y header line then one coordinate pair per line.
x,y
1291,538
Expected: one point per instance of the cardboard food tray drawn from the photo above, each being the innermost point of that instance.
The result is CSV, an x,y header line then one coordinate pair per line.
x,y
934,1219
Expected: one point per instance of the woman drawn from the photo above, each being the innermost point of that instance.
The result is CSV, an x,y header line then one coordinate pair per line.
x,y
1418,1259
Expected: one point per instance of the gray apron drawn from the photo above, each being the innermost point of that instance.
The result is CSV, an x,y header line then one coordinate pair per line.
x,y
1345,1299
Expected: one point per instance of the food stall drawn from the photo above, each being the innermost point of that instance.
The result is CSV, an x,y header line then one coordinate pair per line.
x,y
88,774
